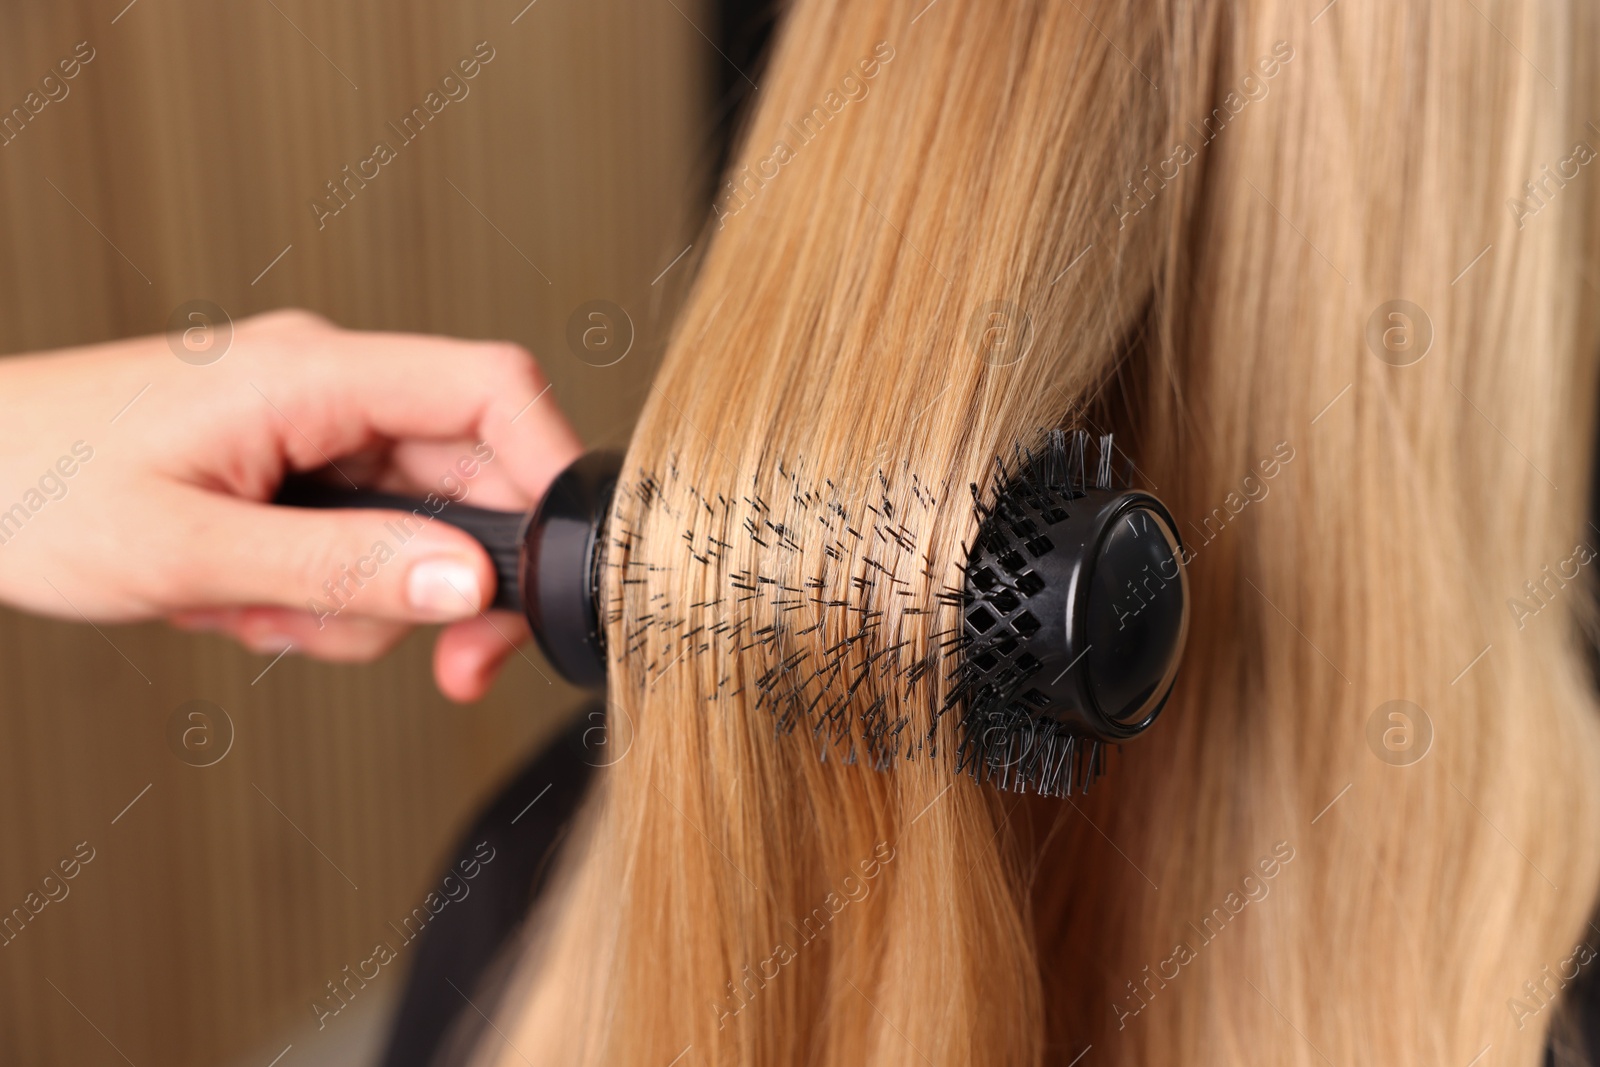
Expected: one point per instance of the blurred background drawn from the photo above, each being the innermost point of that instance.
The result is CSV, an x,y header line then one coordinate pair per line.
x,y
182,163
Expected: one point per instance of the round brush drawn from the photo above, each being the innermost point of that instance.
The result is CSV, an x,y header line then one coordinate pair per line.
x,y
1074,602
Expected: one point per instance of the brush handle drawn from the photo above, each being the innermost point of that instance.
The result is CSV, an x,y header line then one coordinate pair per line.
x,y
546,562
500,533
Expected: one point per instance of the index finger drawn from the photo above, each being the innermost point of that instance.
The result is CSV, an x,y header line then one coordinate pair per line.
x,y
340,389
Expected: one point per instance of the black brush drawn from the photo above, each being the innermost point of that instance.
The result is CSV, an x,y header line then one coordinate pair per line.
x,y
1073,604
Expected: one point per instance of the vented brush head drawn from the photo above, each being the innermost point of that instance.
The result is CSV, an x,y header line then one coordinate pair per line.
x,y
1075,612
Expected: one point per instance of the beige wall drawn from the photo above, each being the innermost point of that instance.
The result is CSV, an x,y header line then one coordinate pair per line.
x,y
189,148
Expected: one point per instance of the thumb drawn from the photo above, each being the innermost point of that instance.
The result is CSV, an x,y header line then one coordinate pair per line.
x,y
393,565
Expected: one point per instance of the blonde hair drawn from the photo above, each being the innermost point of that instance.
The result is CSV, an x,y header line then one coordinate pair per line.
x,y
1190,223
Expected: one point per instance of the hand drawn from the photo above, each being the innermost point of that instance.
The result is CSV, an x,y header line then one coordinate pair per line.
x,y
134,485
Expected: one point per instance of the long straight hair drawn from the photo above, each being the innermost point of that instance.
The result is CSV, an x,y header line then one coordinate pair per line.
x,y
1328,277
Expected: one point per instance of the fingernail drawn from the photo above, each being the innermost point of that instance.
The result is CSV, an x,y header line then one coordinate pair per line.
x,y
269,644
443,588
